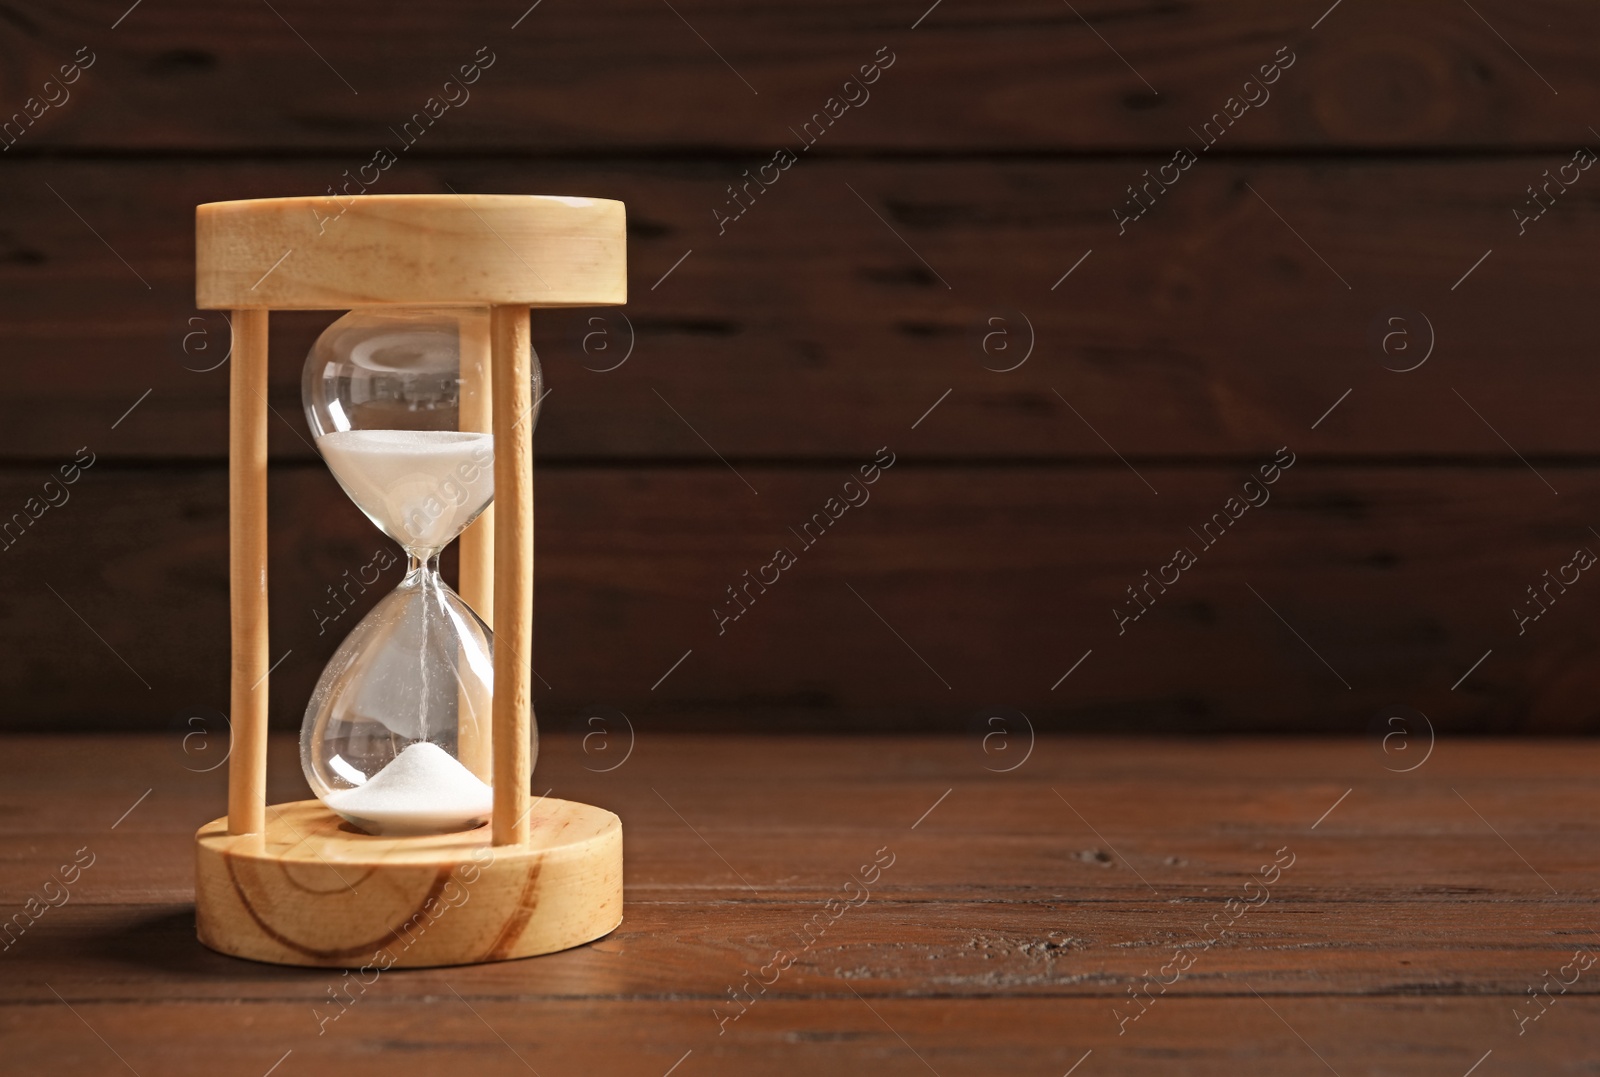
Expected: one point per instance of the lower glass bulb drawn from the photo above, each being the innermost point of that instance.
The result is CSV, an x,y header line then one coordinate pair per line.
x,y
396,738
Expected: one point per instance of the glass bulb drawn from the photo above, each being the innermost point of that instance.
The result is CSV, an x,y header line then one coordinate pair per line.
x,y
396,737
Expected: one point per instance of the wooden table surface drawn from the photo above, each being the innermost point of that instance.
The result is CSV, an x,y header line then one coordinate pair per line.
x,y
1412,917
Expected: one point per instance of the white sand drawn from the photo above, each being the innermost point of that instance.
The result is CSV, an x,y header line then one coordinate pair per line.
x,y
423,790
421,486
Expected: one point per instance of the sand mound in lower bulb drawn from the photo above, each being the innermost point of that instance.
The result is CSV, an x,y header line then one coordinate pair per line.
x,y
423,790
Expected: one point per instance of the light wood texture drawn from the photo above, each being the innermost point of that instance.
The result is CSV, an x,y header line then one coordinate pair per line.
x,y
372,250
477,415
247,571
311,890
514,721
1403,939
476,546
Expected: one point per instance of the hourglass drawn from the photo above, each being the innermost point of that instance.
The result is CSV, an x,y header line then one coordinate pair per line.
x,y
424,846
395,735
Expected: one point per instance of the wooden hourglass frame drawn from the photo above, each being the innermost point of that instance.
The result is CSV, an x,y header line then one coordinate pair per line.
x,y
293,883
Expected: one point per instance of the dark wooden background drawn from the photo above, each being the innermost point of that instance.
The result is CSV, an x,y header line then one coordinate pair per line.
x,y
825,323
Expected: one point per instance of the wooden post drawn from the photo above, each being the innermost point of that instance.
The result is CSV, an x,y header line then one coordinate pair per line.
x,y
247,572
477,541
511,364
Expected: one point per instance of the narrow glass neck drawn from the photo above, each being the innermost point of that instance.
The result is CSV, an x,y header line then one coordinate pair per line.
x,y
422,561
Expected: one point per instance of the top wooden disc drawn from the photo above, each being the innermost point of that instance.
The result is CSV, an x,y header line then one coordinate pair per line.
x,y
410,249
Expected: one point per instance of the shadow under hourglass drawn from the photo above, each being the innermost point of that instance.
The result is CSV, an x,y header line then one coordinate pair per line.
x,y
162,940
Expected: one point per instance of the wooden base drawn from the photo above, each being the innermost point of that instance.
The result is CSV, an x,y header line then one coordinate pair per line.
x,y
313,890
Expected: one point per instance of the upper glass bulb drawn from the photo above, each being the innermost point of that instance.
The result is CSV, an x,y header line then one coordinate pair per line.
x,y
401,418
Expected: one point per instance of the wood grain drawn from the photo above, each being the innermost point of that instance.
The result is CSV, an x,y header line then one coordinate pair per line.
x,y
809,331
475,548
322,253
839,1033
1005,935
1000,578
720,76
1240,313
514,730
248,527
310,890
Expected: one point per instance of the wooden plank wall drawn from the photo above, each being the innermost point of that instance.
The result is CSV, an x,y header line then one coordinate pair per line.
x,y
1368,211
